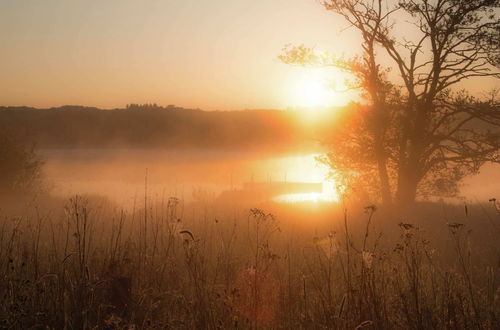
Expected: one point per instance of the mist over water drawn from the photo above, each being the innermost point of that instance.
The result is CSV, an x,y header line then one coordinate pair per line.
x,y
122,175
158,170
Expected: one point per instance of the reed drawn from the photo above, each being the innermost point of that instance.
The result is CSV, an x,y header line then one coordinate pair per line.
x,y
220,267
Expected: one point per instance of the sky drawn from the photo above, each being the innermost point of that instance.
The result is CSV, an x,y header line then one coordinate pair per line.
x,y
193,53
209,54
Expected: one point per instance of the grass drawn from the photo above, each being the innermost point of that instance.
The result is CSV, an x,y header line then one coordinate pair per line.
x,y
204,265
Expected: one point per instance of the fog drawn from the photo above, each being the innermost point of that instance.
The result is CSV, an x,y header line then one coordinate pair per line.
x,y
123,175
138,225
367,200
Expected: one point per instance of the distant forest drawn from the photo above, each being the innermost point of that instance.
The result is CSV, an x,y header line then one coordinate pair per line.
x,y
152,126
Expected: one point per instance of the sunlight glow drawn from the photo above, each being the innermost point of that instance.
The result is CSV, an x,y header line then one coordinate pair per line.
x,y
328,195
314,93
318,88
308,169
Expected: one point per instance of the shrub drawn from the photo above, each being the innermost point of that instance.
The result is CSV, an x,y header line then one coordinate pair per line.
x,y
19,165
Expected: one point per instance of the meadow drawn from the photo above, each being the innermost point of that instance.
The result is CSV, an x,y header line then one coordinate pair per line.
x,y
86,263
330,164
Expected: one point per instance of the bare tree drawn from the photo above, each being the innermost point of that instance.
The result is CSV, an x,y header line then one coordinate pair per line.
x,y
423,136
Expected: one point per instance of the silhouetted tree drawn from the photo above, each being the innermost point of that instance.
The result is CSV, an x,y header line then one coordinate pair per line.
x,y
422,137
19,166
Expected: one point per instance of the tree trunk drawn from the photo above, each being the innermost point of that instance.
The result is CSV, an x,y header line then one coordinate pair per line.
x,y
379,122
385,187
407,187
410,152
406,194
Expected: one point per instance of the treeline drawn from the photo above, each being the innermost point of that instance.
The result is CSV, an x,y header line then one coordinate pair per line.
x,y
152,126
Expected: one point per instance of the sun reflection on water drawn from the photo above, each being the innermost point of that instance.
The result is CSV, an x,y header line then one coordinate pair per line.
x,y
308,169
328,195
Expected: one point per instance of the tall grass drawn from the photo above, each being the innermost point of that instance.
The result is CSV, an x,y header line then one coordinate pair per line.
x,y
167,265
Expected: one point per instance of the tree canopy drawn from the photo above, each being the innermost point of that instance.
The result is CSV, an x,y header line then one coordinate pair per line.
x,y
419,134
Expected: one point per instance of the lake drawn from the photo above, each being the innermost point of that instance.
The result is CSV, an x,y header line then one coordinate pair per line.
x,y
125,175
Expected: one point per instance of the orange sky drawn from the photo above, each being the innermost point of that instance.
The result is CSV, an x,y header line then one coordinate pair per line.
x,y
211,54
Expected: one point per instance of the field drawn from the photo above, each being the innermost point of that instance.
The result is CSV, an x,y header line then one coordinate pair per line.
x,y
167,263
235,164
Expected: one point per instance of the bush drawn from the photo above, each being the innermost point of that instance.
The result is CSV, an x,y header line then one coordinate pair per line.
x,y
19,166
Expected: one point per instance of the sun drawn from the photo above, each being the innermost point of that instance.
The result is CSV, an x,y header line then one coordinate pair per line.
x,y
314,93
312,88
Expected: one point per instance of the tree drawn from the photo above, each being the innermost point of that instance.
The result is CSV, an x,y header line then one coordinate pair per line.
x,y
19,166
423,136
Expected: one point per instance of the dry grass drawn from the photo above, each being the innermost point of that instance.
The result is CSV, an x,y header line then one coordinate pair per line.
x,y
170,265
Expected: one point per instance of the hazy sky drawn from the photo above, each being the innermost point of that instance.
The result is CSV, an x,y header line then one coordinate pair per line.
x,y
196,53
211,54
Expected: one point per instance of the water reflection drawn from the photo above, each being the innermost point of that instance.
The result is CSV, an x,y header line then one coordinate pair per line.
x,y
306,168
328,195
120,175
